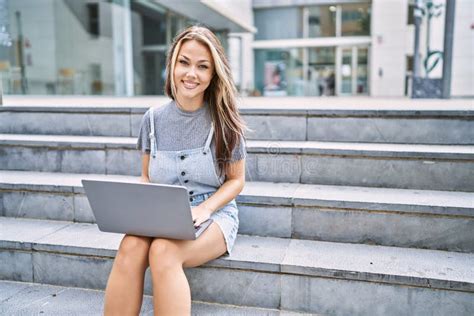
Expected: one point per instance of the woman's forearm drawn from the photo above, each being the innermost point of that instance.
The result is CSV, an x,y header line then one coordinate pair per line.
x,y
226,193
145,163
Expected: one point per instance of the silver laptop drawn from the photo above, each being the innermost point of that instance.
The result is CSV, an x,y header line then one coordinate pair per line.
x,y
143,209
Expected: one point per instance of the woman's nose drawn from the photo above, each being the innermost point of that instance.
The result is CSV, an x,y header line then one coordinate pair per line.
x,y
191,72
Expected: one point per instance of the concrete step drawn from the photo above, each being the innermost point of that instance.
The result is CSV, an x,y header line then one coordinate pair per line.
x,y
426,167
24,298
379,124
297,275
393,217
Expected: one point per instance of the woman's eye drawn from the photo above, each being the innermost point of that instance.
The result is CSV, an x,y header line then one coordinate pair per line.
x,y
184,62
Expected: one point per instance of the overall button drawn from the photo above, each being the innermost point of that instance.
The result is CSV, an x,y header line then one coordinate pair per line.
x,y
183,173
191,192
186,181
191,199
182,157
204,153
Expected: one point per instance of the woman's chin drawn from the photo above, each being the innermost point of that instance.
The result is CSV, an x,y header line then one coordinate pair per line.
x,y
187,94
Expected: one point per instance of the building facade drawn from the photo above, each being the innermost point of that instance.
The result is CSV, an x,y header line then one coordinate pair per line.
x,y
393,42
315,48
355,47
276,47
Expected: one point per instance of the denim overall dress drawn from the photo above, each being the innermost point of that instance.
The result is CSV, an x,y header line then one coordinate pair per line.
x,y
194,169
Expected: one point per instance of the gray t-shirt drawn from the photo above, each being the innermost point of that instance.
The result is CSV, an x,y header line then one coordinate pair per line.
x,y
176,129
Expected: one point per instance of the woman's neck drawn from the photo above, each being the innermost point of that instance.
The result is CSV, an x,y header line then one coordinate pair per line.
x,y
189,105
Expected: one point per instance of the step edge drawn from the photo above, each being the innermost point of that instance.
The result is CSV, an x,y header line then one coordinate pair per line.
x,y
272,267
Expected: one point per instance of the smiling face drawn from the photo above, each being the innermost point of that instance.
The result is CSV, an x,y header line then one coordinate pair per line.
x,y
193,73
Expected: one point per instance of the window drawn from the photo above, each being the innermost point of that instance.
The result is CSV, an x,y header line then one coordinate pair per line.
x,y
93,15
313,21
355,19
362,71
411,15
278,23
279,72
154,30
409,62
321,21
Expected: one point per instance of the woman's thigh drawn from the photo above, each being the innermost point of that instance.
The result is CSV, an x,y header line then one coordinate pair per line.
x,y
208,246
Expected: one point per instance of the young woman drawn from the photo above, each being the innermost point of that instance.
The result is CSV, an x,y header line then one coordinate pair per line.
x,y
196,141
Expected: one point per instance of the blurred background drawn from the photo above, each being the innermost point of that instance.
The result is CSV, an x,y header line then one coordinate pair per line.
x,y
276,47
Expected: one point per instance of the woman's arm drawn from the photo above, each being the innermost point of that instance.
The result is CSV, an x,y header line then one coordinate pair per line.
x,y
145,162
235,181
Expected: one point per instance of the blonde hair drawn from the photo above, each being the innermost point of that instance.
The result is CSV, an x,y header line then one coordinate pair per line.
x,y
220,95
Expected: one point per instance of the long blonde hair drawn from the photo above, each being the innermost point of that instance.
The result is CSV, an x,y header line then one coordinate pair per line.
x,y
220,95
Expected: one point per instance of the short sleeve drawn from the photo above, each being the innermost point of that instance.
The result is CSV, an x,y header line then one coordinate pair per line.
x,y
143,142
240,150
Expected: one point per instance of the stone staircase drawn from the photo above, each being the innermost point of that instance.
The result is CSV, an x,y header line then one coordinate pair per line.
x,y
347,210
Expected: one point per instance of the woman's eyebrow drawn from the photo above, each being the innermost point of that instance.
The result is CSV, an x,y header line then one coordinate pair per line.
x,y
199,61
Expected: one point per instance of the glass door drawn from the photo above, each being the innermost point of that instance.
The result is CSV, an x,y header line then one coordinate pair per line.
x,y
353,70
321,71
346,71
362,70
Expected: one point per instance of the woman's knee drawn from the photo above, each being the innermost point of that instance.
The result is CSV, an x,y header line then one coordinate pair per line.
x,y
163,255
133,252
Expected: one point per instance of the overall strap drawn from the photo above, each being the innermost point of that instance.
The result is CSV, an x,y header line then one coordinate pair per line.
x,y
209,137
152,133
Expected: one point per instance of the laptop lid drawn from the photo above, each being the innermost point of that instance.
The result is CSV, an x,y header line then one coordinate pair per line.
x,y
144,209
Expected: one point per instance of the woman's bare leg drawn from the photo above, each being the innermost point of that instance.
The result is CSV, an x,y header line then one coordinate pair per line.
x,y
171,292
168,257
124,292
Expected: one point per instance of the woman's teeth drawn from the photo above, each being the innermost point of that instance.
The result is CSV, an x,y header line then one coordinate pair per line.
x,y
190,85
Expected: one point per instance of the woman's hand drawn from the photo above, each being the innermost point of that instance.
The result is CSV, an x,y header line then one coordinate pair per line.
x,y
200,214
144,179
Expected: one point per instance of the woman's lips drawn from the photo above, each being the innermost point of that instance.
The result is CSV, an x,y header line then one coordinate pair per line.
x,y
190,85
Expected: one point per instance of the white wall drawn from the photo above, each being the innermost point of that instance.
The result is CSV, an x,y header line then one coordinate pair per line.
x,y
462,82
388,49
